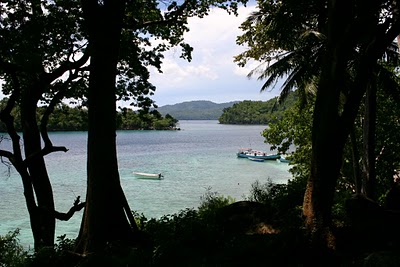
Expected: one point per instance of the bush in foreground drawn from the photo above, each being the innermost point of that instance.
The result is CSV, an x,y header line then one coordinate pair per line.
x,y
212,235
12,254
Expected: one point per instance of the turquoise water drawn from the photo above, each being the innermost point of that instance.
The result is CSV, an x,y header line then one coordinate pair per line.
x,y
200,156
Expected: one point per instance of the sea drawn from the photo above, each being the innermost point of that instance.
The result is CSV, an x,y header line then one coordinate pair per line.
x,y
199,158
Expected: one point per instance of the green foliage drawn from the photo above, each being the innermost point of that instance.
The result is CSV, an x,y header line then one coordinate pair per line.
x,y
283,201
387,141
65,118
12,254
175,236
61,255
193,238
293,133
212,201
199,237
387,144
45,38
255,112
190,236
128,119
286,37
57,32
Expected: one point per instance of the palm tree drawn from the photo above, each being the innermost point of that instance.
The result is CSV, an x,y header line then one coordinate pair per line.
x,y
305,44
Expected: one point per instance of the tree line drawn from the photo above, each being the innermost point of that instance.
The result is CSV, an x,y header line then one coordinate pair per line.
x,y
66,118
256,112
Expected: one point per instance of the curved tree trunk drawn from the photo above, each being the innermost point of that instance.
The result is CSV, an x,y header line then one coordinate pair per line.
x,y
327,148
327,137
42,221
41,236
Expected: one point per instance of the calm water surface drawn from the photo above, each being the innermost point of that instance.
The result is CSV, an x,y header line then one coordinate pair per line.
x,y
200,156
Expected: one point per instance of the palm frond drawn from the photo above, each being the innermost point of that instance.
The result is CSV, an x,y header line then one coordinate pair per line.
x,y
391,55
307,35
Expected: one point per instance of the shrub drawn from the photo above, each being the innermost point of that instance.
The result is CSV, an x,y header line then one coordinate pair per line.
x,y
11,252
212,201
284,201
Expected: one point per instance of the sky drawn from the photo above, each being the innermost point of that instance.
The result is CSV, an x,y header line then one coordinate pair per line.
x,y
211,75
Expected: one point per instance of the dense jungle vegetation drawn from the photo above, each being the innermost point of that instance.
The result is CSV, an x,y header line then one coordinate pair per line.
x,y
256,112
66,118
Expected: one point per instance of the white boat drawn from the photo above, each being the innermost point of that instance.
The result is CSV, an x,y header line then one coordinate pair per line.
x,y
251,153
143,175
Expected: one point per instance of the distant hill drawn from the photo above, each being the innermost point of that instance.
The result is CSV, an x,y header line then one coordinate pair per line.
x,y
195,110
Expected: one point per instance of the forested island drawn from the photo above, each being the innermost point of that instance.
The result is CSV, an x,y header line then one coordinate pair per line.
x,y
256,112
66,118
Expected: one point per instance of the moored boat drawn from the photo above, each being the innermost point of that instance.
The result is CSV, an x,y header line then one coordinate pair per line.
x,y
143,175
256,154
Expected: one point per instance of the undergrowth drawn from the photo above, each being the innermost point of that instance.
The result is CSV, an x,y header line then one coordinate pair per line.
x,y
192,237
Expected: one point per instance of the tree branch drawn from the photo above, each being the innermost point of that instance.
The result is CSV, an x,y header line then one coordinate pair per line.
x,y
45,151
66,216
135,25
16,157
64,67
48,145
7,154
8,120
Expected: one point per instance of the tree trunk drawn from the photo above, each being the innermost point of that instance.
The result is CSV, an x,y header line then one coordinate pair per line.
x,y
328,139
327,148
369,127
104,219
42,221
355,155
333,122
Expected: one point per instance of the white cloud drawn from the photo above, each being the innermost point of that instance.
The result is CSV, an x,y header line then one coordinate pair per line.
x,y
174,71
244,71
212,74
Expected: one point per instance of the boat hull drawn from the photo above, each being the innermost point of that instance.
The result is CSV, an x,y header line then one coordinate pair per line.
x,y
266,157
256,159
152,176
